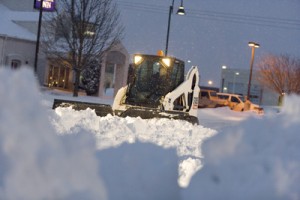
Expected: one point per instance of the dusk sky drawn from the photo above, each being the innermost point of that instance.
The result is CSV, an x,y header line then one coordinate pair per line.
x,y
213,33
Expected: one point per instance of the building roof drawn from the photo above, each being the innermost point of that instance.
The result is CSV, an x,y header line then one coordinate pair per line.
x,y
18,5
18,24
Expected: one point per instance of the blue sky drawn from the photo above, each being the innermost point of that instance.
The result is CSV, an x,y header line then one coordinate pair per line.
x,y
213,33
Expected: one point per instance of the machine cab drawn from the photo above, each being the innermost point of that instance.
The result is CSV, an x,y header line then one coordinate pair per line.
x,y
152,78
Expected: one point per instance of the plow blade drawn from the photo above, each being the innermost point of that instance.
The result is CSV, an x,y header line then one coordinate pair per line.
x,y
100,109
103,110
149,113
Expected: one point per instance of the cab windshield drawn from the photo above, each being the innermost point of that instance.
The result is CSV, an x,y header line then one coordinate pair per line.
x,y
154,77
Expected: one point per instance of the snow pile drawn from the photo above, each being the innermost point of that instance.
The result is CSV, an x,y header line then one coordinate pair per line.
x,y
258,159
112,131
35,162
67,154
140,171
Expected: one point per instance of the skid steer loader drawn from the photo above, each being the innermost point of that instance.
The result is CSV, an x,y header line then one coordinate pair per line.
x,y
157,89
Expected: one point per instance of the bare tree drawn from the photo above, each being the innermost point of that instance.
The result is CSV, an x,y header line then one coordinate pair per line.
x,y
280,74
79,33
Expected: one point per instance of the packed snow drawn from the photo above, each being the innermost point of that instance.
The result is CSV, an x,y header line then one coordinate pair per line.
x,y
68,154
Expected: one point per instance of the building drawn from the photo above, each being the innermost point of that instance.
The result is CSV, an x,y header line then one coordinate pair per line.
x,y
18,36
115,66
113,73
236,81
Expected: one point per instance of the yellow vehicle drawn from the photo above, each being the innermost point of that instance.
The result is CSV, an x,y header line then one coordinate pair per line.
x,y
209,99
237,103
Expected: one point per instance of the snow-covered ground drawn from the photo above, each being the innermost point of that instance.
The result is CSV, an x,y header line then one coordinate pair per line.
x,y
67,154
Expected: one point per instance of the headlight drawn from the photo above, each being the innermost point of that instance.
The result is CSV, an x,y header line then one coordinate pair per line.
x,y
138,59
167,61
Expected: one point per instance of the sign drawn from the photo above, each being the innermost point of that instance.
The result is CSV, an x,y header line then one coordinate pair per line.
x,y
48,5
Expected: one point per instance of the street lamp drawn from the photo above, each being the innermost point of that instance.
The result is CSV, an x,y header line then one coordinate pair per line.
x,y
37,45
224,67
179,12
235,74
253,46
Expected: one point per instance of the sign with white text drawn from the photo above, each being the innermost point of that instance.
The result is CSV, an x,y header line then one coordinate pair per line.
x,y
48,5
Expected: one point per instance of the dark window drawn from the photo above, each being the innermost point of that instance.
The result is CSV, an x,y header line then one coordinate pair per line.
x,y
235,100
15,64
177,74
179,103
226,97
109,77
109,68
204,94
213,94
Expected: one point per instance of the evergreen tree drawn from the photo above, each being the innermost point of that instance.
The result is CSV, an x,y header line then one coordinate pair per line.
x,y
90,79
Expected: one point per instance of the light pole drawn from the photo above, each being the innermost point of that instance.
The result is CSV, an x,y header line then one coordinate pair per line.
x,y
224,67
235,74
179,12
253,46
38,37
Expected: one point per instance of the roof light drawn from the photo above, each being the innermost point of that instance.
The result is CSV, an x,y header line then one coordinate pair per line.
x,y
160,53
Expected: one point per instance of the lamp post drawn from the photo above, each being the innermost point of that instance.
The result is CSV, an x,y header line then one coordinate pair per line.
x,y
253,46
224,67
38,37
179,12
234,78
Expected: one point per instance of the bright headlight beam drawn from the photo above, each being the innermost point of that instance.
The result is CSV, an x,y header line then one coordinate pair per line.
x,y
167,61
137,59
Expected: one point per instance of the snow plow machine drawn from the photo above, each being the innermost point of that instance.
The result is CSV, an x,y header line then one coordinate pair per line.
x,y
157,88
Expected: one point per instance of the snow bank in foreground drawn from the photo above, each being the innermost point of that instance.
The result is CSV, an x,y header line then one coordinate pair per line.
x,y
259,159
35,162
39,161
140,171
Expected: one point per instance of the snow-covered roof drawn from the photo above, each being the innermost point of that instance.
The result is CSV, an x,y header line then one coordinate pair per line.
x,y
15,23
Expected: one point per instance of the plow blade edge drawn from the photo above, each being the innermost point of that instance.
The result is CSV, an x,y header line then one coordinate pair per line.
x,y
100,109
